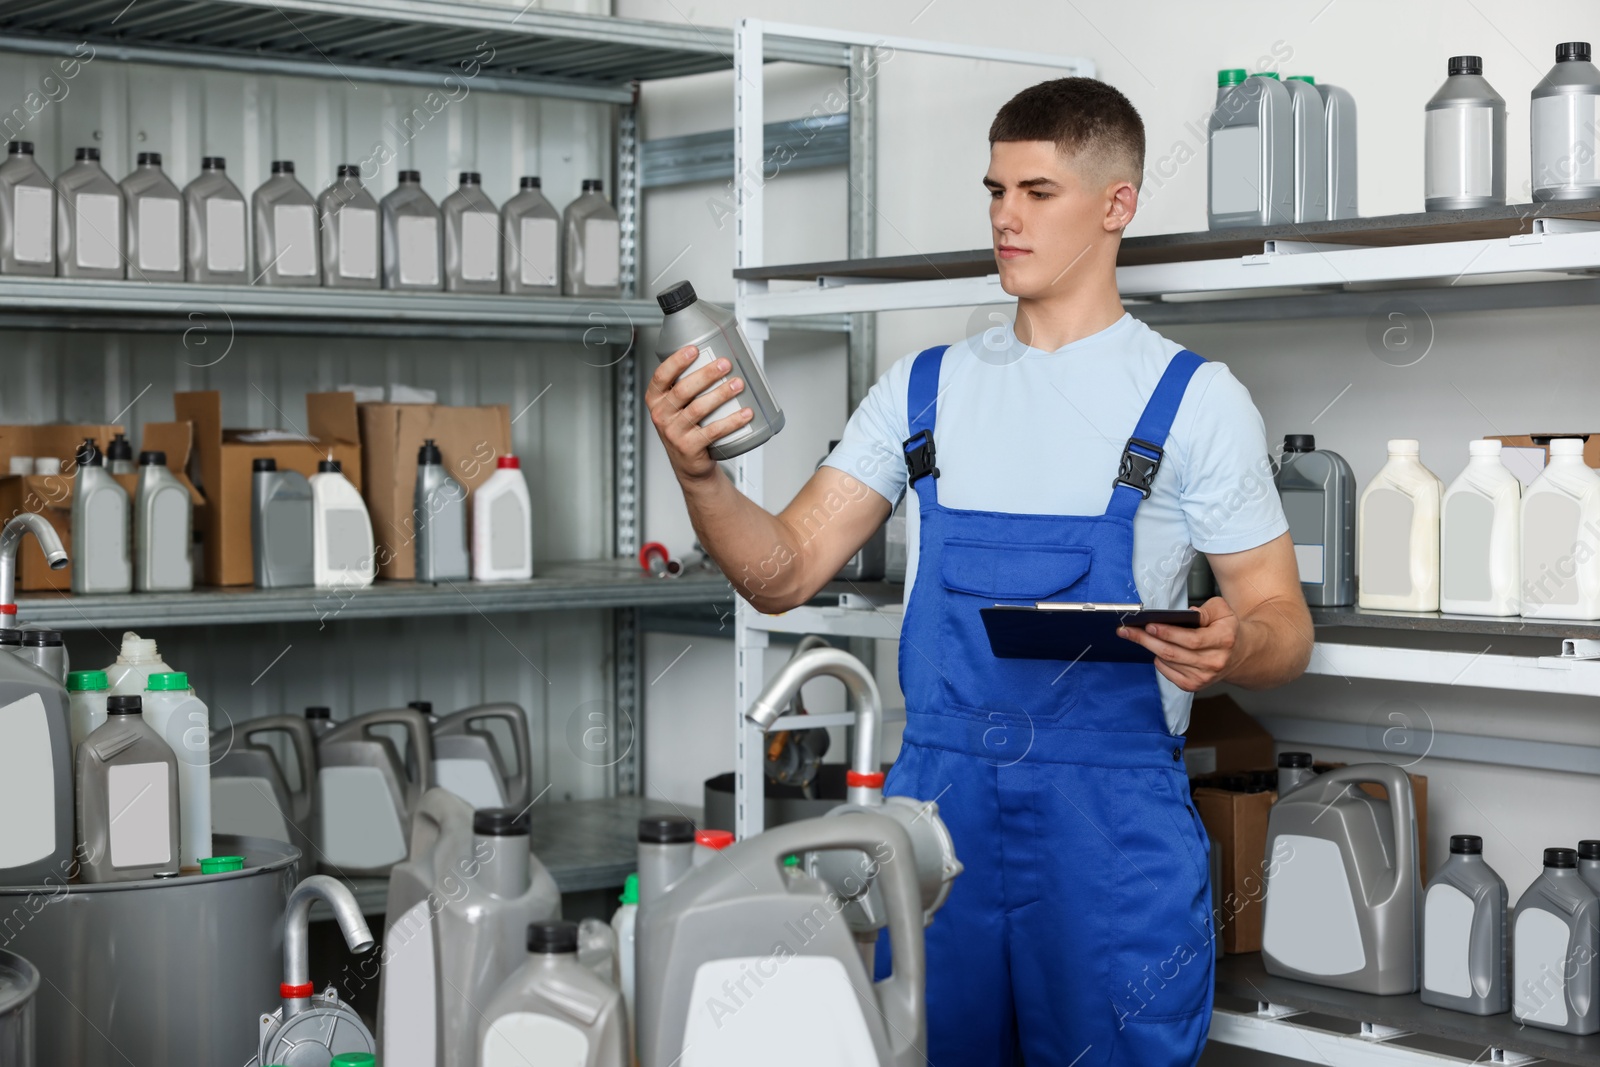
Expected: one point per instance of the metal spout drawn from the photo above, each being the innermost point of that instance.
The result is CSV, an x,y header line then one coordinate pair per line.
x,y
10,541
775,698
297,921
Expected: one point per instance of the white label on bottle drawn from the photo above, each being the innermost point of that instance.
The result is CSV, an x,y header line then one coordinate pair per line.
x,y
704,357
419,250
347,540
105,557
1464,548
139,807
158,234
166,557
1563,138
538,265
247,806
27,783
358,243
1539,965
224,235
508,534
480,247
520,1038
602,253
1458,152
294,227
410,1023
470,779
1554,554
359,824
35,210
1308,558
1310,921
815,988
99,230
1446,937
1386,543
1236,170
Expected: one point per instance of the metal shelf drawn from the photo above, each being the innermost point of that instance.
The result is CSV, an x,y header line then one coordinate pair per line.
x,y
1440,623
438,45
568,586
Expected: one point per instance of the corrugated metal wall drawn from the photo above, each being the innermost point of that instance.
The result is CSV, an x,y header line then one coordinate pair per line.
x,y
557,666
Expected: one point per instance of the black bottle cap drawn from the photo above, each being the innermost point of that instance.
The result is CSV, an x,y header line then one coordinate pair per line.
x,y
11,638
92,154
530,181
552,936
1587,850
471,177
499,822
1299,442
19,148
283,166
1466,64
154,458
424,706
1261,782
326,465
1572,51
213,163
41,638
428,454
1294,759
88,454
132,705
676,297
267,464
666,830
411,176
1472,845
349,170
599,185
318,712
1560,857
119,448
152,159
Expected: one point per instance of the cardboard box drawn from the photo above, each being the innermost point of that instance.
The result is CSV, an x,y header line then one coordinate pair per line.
x,y
1525,455
49,495
469,440
1223,739
224,460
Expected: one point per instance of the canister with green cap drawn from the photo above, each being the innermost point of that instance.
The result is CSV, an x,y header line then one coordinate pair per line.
x,y
1309,117
622,923
173,711
86,703
1251,145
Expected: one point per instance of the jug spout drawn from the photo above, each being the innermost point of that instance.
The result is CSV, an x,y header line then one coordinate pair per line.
x,y
296,989
865,779
10,542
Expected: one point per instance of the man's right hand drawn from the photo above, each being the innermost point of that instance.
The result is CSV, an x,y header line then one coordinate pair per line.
x,y
676,408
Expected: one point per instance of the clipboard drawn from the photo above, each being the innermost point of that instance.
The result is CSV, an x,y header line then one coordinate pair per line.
x,y
1072,632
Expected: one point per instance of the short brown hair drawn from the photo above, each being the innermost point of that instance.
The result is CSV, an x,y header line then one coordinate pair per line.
x,y
1083,117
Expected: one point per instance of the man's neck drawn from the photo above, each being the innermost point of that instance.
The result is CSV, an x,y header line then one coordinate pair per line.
x,y
1056,321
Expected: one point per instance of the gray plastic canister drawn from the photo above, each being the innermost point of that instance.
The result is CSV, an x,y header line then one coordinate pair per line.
x,y
1464,141
19,983
1565,106
1464,933
1250,145
1555,948
1318,490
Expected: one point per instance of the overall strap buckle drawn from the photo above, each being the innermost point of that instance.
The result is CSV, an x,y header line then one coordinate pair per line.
x,y
920,456
1138,470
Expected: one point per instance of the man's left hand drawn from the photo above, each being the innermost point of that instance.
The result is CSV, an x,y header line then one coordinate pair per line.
x,y
1192,658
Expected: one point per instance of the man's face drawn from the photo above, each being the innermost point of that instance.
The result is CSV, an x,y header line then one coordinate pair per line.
x,y
1047,220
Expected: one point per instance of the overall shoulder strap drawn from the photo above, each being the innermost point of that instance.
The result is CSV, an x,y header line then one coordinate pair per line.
x,y
1141,457
922,409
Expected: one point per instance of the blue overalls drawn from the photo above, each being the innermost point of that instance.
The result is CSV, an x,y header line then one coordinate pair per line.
x,y
1080,932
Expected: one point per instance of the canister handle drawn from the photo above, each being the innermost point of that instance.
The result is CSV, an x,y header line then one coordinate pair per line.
x,y
515,786
1402,809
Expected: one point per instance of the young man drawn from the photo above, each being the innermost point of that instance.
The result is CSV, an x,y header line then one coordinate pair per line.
x,y
1085,458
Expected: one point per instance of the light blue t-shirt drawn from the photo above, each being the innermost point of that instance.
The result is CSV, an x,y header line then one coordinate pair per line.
x,y
1031,432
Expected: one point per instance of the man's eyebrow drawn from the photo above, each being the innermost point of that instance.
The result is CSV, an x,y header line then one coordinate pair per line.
x,y
1027,183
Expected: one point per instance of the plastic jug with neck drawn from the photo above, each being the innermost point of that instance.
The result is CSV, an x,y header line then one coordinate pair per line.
x,y
456,906
1464,934
471,238
46,650
1560,537
119,454
163,523
127,777
182,720
1318,490
1294,771
251,796
412,252
287,246
624,924
365,798
27,214
440,505
351,252
1251,147
1309,117
343,556
155,222
554,1009
468,759
1555,949
214,218
1340,110
1464,141
1397,540
137,660
86,704
591,244
281,526
532,231
100,561
1480,537
89,220
502,525
1566,105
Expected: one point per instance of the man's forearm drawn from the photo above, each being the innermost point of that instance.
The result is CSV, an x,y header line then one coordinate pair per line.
x,y
752,546
1274,645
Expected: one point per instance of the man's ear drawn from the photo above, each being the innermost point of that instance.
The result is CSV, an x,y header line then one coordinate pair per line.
x,y
1122,202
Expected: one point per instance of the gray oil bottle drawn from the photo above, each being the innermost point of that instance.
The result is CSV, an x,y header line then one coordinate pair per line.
x,y
351,246
1555,943
163,523
553,1009
155,222
412,252
1464,141
45,650
288,250
1318,490
1294,771
100,562
1464,933
591,244
715,333
27,214
471,238
88,220
531,227
119,455
214,216
127,798
1251,144
280,526
1566,106
441,520
1339,108
1310,120
1589,863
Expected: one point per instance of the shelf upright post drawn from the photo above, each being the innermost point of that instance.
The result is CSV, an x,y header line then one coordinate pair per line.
x,y
627,734
861,365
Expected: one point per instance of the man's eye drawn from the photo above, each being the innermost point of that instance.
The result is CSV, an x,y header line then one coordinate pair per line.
x,y
1039,196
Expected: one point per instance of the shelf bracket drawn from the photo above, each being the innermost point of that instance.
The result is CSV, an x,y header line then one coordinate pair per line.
x,y
1379,1032
1500,1055
1267,1010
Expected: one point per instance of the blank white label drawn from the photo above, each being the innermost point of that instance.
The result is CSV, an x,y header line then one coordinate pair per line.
x,y
419,250
602,253
35,209
1308,558
1539,949
508,534
538,266
1552,555
157,219
358,243
224,234
480,247
520,1038
470,779
99,226
1310,921
1458,152
1446,937
105,557
1464,545
247,806
1386,543
294,228
27,783
722,1030
1564,141
410,1023
1236,170
359,824
167,555
139,801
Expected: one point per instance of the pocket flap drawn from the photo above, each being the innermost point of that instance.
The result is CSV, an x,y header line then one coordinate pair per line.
x,y
1011,571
